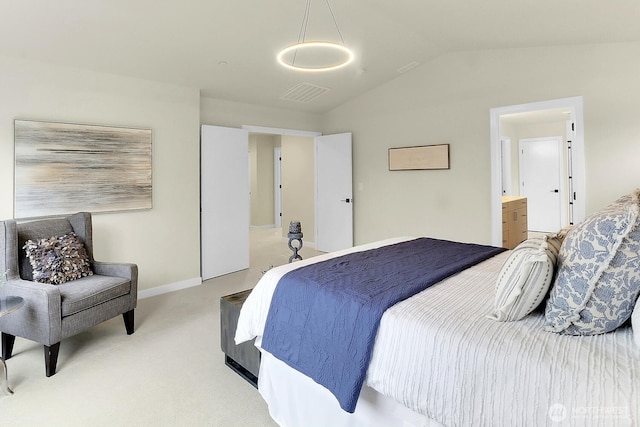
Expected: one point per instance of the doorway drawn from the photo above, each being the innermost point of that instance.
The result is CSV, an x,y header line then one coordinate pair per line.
x,y
575,197
282,178
305,179
282,182
226,190
310,182
264,176
225,207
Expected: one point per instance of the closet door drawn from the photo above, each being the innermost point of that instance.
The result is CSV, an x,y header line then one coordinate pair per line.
x,y
541,167
224,200
334,192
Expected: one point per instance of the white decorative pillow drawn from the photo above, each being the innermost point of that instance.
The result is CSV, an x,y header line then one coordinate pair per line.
x,y
635,324
598,278
525,278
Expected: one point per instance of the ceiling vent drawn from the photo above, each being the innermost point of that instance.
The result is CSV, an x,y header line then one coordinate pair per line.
x,y
304,92
407,67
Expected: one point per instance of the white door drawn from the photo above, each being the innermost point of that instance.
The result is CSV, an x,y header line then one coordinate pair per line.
x,y
334,192
224,200
540,182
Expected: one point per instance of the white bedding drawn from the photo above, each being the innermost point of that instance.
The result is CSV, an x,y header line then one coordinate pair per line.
x,y
438,354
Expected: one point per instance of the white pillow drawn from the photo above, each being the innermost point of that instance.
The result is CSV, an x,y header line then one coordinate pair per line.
x,y
525,278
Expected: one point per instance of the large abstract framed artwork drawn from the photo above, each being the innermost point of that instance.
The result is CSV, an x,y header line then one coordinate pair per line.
x,y
62,168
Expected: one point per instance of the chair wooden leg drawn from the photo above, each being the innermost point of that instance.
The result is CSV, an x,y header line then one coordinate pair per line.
x,y
7,345
128,321
51,358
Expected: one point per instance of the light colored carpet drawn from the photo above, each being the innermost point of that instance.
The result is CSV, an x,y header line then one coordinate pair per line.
x,y
170,372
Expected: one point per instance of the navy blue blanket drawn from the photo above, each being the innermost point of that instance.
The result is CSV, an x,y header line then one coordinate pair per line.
x,y
324,317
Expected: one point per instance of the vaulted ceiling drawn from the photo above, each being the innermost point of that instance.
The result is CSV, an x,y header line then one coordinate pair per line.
x,y
227,48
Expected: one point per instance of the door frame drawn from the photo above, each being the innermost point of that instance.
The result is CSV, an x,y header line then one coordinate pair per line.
x,y
505,155
561,172
280,131
277,187
575,106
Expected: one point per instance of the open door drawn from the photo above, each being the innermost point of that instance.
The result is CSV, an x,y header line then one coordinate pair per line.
x,y
224,200
334,192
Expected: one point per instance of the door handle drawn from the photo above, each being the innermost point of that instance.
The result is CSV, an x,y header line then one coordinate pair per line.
x,y
347,200
555,191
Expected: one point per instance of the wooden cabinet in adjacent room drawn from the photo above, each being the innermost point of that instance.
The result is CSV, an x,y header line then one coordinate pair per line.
x,y
514,221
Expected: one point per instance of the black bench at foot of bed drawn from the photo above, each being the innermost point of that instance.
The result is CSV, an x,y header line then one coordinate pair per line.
x,y
244,359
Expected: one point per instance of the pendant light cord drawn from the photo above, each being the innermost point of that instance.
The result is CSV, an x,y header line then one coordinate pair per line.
x,y
305,22
334,21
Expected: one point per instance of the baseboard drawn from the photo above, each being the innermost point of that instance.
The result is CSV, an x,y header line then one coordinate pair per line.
x,y
171,287
263,226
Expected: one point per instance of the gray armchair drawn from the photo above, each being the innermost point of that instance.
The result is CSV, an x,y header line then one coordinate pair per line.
x,y
54,312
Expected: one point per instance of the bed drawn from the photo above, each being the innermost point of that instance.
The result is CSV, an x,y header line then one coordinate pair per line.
x,y
461,352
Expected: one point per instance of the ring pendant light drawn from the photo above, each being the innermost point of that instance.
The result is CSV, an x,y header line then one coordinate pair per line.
x,y
343,55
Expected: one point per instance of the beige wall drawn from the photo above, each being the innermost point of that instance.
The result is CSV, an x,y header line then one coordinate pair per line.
x,y
444,101
262,185
448,101
236,114
298,184
163,241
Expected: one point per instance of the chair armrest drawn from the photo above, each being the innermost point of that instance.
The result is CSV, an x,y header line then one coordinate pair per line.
x,y
124,270
43,293
40,317
114,269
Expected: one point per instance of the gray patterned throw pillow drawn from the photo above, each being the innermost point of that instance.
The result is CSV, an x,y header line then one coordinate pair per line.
x,y
598,278
57,260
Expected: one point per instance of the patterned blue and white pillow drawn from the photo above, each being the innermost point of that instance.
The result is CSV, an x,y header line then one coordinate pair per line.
x,y
598,279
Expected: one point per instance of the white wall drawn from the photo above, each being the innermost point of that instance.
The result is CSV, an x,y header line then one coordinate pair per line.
x,y
163,241
447,101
